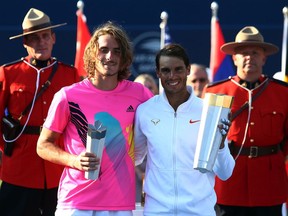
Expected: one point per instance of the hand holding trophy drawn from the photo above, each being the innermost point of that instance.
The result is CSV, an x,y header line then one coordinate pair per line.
x,y
95,144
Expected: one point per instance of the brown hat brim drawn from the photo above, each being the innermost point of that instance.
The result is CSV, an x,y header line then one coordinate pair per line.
x,y
229,48
38,30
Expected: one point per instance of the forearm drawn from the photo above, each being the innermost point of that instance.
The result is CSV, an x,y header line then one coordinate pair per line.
x,y
224,163
53,153
49,150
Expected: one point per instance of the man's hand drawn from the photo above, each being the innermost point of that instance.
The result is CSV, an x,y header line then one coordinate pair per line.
x,y
224,128
86,161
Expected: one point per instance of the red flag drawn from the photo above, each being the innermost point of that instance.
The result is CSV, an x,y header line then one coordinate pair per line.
x,y
83,37
221,66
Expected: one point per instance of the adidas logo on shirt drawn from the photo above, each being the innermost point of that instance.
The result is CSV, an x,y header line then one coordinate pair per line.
x,y
130,109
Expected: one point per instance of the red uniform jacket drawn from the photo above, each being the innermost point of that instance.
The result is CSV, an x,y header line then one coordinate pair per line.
x,y
17,88
260,181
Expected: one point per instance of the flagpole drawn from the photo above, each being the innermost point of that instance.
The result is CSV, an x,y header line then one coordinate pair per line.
x,y
214,9
284,68
164,17
80,5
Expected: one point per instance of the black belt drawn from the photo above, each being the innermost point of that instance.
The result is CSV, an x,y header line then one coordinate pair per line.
x,y
255,151
36,130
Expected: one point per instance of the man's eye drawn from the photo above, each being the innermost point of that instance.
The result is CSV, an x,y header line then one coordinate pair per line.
x,y
165,71
179,71
33,38
117,51
104,50
46,37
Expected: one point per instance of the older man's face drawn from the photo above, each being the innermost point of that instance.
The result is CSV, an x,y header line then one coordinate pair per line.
x,y
249,61
39,45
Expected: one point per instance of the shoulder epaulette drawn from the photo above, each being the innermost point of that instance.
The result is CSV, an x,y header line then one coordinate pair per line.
x,y
69,65
219,82
14,62
278,81
60,62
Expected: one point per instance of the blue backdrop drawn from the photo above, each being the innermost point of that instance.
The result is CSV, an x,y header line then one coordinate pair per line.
x,y
189,25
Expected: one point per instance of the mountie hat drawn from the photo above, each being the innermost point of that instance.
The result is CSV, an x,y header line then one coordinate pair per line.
x,y
35,21
249,36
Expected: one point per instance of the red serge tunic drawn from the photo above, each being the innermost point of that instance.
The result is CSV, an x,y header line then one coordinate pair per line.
x,y
17,88
259,181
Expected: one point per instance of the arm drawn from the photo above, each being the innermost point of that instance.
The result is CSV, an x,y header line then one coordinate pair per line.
x,y
140,140
4,94
224,164
48,150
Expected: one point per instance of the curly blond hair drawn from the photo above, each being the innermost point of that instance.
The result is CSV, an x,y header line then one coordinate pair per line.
x,y
92,49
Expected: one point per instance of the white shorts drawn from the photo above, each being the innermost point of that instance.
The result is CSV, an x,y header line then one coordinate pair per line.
x,y
77,212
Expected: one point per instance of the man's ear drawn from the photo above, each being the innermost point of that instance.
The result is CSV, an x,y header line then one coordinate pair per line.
x,y
234,59
264,60
54,37
189,68
24,42
157,73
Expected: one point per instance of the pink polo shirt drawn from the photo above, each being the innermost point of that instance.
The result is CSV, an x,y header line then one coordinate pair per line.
x,y
71,109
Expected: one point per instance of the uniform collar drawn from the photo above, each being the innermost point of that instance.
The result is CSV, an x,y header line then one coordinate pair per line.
x,y
250,85
40,63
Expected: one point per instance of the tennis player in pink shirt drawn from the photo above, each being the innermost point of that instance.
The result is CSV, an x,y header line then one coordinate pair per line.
x,y
108,97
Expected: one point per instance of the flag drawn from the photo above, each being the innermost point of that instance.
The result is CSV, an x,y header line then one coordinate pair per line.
x,y
221,65
83,37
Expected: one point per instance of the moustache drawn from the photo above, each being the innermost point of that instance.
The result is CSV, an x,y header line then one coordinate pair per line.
x,y
106,62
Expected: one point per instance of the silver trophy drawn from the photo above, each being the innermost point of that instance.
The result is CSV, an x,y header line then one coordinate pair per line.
x,y
215,107
95,144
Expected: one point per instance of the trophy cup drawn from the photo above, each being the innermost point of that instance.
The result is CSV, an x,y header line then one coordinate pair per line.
x,y
215,107
95,144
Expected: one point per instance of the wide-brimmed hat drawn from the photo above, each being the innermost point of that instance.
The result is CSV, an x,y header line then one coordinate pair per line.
x,y
249,36
35,21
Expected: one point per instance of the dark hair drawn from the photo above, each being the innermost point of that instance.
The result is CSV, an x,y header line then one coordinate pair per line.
x,y
174,50
125,46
